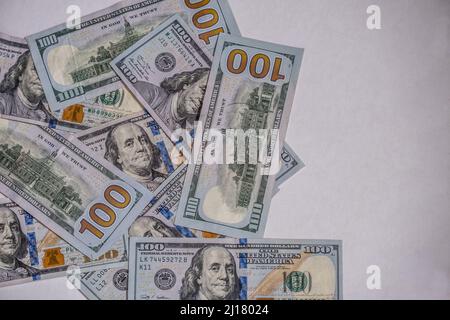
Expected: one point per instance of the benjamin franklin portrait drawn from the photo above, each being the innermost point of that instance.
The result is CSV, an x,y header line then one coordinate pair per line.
x,y
130,149
21,92
151,227
211,276
13,246
178,99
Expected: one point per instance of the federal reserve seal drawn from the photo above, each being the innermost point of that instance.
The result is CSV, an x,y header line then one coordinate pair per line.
x,y
120,279
165,62
165,279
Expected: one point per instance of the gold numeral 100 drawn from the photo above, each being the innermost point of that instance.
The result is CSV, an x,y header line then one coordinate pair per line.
x,y
210,16
105,208
257,58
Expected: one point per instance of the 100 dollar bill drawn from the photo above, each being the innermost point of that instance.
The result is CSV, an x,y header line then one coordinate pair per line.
x,y
250,88
83,199
21,93
32,252
158,222
167,71
232,269
73,63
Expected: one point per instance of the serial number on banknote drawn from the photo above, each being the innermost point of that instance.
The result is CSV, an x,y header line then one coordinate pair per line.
x,y
162,260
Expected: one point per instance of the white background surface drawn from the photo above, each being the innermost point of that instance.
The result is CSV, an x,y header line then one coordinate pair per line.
x,y
371,120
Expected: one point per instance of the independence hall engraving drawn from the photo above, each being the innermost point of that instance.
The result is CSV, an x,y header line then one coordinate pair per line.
x,y
260,104
99,64
37,175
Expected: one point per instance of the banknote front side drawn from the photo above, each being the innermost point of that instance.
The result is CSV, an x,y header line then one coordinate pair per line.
x,y
158,222
86,201
31,252
232,269
74,64
249,93
167,71
136,146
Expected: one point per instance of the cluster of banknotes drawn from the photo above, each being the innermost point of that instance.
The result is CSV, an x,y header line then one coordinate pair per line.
x,y
98,128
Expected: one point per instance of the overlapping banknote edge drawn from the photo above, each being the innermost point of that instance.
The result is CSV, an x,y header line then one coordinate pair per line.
x,y
117,7
63,269
144,198
117,289
202,51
